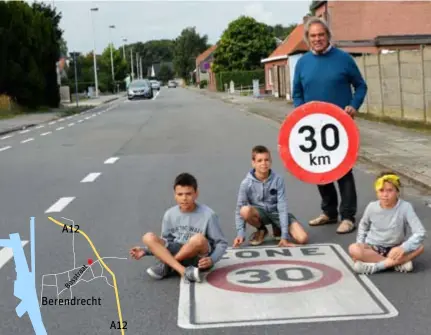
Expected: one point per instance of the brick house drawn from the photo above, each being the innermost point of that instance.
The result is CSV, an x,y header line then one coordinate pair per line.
x,y
203,67
280,64
371,26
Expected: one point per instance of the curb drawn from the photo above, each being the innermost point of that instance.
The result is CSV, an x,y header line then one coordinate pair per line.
x,y
29,125
417,181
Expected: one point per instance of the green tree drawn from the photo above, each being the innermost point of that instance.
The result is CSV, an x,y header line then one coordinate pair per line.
x,y
105,69
188,45
49,50
311,10
242,45
154,51
281,31
30,50
165,73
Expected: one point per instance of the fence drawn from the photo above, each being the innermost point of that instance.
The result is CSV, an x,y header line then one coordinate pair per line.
x,y
399,84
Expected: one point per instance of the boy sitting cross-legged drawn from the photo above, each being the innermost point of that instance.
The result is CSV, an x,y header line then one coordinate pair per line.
x,y
191,241
381,242
262,201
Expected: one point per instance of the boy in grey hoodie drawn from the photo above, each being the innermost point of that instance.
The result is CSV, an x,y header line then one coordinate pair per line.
x,y
191,239
262,201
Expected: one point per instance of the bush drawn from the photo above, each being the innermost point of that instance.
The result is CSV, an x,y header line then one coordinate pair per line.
x,y
244,78
203,83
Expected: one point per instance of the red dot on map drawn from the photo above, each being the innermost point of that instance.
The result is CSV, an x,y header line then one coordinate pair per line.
x,y
90,261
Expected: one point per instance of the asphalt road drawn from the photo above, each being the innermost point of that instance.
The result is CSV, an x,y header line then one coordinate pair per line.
x,y
149,143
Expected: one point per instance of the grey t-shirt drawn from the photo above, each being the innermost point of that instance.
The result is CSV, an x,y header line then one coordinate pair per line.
x,y
389,227
179,227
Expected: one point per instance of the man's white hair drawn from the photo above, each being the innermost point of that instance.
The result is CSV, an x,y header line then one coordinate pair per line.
x,y
316,20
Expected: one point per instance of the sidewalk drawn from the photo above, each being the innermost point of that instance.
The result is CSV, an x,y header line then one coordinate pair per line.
x,y
29,120
405,151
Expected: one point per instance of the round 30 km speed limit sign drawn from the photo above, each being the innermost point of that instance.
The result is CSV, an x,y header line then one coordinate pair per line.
x,y
318,143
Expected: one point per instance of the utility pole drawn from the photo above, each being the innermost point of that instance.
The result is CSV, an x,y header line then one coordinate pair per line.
x,y
142,72
75,58
94,53
131,64
137,65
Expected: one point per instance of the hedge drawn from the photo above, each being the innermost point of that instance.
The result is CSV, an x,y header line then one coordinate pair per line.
x,y
244,78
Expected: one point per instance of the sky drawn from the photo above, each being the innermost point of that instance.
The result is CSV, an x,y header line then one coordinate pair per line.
x,y
141,21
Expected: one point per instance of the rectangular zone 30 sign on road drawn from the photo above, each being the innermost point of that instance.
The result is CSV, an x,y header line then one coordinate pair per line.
x,y
270,285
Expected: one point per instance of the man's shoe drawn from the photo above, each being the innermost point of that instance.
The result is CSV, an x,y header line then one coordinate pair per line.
x,y
345,227
322,219
258,237
192,274
159,271
406,267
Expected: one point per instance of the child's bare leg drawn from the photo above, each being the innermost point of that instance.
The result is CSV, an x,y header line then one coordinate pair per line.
x,y
369,261
157,247
298,233
404,259
250,215
364,253
197,245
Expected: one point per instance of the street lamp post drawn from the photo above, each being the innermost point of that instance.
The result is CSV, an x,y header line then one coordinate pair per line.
x,y
96,83
112,58
124,50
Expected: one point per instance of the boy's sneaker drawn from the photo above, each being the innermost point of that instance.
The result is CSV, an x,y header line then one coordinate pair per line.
x,y
258,237
192,274
365,268
276,232
159,271
406,267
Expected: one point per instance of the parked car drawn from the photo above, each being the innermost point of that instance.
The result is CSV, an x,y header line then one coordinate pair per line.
x,y
172,83
140,88
155,84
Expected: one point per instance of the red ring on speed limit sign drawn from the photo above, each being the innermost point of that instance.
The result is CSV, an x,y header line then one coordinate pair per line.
x,y
219,278
350,131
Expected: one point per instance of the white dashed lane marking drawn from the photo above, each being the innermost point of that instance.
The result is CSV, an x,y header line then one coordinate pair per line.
x,y
6,254
27,140
111,160
91,177
60,205
5,148
47,133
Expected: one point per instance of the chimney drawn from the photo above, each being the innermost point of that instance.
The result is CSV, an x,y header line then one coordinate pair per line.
x,y
306,18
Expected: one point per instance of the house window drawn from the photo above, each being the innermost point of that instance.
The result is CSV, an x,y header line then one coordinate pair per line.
x,y
270,76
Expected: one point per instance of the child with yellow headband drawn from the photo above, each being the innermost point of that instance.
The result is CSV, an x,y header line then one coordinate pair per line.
x,y
382,242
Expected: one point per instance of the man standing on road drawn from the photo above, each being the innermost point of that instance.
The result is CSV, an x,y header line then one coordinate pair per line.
x,y
327,74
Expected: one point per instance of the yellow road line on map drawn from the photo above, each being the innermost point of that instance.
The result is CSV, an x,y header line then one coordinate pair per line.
x,y
120,315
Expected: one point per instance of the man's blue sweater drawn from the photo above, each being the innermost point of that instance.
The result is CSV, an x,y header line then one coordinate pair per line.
x,y
328,77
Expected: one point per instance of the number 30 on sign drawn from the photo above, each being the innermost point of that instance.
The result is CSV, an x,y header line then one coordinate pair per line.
x,y
318,143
